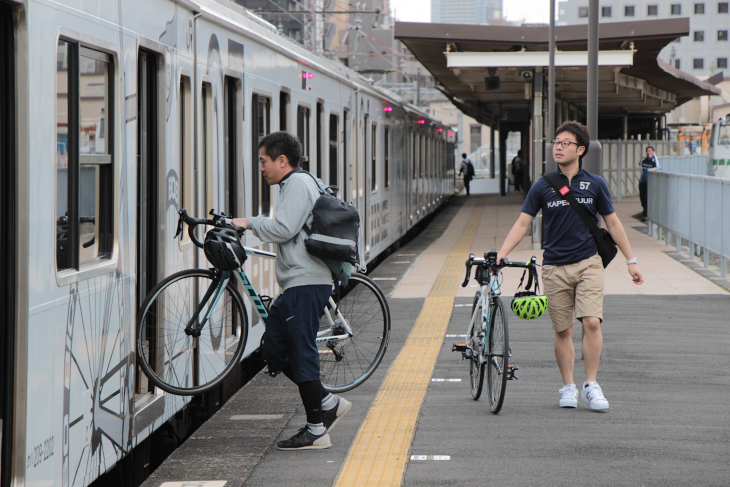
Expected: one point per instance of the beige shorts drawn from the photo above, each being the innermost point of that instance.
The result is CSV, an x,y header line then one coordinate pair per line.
x,y
574,291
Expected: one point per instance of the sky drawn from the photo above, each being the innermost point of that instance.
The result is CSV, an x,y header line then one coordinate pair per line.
x,y
530,11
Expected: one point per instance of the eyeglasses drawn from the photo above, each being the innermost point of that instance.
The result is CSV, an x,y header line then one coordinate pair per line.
x,y
564,143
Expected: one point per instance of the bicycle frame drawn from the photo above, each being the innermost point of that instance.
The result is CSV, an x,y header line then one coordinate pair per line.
x,y
215,291
487,292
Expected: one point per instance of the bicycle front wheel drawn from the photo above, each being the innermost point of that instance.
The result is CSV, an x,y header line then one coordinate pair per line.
x,y
476,366
187,360
347,362
497,359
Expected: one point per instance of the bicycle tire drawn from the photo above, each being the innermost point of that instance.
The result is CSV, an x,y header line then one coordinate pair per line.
x,y
176,362
347,363
476,366
497,360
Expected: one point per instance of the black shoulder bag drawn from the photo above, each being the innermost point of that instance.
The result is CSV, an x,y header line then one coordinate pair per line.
x,y
606,246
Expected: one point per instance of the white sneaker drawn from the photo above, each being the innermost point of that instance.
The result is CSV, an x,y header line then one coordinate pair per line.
x,y
593,395
568,396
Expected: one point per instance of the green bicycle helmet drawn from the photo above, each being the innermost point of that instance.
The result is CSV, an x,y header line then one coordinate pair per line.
x,y
528,305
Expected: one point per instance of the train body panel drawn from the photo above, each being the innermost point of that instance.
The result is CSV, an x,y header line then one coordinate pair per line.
x,y
135,110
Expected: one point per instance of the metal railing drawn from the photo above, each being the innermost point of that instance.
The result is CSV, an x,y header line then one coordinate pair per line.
x,y
622,163
694,165
695,210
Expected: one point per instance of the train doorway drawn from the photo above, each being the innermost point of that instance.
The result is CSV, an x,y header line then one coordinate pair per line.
x,y
7,242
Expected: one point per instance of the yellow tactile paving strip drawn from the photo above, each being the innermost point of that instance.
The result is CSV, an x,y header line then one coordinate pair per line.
x,y
379,453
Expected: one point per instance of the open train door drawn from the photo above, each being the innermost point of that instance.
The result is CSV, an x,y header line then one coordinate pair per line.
x,y
7,239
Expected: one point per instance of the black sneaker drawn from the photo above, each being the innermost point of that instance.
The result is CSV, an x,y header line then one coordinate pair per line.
x,y
305,440
330,417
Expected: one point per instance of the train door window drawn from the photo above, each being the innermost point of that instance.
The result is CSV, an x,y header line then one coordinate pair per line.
x,y
414,155
8,244
261,194
303,135
374,158
283,112
232,86
333,159
207,113
84,170
319,135
386,158
345,155
147,173
186,136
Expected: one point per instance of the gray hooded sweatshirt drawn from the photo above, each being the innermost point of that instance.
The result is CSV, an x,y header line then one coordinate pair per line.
x,y
294,265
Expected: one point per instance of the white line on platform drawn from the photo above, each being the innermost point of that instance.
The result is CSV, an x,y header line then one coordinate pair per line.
x,y
196,483
445,380
401,262
257,417
455,336
423,458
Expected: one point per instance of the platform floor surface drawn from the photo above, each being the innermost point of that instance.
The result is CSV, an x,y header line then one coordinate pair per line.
x,y
664,370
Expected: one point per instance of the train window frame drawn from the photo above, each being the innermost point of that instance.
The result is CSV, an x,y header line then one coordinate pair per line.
x,y
373,157
233,116
319,136
305,137
108,173
333,141
260,190
386,157
284,108
187,147
207,122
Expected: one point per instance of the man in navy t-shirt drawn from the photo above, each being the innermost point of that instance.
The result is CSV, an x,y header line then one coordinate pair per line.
x,y
572,269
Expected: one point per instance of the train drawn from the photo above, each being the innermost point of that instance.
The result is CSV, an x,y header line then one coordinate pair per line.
x,y
116,114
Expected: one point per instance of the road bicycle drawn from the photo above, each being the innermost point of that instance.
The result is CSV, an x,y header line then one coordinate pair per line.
x,y
487,338
192,328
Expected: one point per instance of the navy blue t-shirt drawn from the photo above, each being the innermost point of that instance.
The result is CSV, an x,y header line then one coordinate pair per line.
x,y
567,239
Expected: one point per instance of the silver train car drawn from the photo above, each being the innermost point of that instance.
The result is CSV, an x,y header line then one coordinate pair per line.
x,y
113,116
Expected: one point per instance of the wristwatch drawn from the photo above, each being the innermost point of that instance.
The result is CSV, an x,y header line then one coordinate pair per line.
x,y
631,261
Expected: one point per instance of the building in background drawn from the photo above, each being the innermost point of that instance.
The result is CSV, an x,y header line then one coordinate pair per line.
x,y
704,53
465,11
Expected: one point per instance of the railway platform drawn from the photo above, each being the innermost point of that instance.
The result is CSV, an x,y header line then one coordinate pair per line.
x,y
414,423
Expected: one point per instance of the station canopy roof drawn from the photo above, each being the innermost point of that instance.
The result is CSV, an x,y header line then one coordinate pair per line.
x,y
461,56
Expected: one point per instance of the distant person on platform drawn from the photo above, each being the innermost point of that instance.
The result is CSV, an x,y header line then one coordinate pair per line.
x,y
649,162
467,169
518,171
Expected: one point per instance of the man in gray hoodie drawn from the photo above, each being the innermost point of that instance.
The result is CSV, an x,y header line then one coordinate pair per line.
x,y
306,283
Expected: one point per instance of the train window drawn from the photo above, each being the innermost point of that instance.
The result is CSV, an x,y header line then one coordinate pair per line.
x,y
261,194
386,158
208,106
374,158
334,132
303,135
283,111
84,169
319,134
414,156
186,134
362,185
231,108
345,155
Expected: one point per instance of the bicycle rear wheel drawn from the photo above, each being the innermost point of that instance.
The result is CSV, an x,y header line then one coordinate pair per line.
x,y
497,360
171,357
348,362
476,366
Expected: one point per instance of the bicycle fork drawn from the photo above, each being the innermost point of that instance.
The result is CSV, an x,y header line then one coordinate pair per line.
x,y
216,287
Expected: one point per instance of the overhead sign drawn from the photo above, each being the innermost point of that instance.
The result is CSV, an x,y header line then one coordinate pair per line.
x,y
528,59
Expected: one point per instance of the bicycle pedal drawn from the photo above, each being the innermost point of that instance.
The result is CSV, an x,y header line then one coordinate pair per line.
x,y
459,347
511,372
272,374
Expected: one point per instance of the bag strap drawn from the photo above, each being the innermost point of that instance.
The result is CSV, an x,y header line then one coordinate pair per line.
x,y
319,186
553,180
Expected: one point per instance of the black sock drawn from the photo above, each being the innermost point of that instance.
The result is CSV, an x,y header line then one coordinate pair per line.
x,y
311,394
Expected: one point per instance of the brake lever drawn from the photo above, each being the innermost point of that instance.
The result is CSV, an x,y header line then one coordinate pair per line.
x,y
180,222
